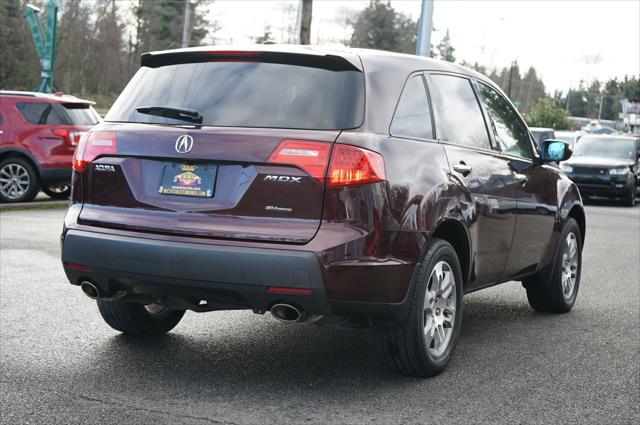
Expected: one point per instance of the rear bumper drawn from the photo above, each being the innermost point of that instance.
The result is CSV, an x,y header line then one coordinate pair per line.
x,y
228,277
55,175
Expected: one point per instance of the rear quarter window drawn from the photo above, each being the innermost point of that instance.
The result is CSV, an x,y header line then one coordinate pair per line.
x,y
413,116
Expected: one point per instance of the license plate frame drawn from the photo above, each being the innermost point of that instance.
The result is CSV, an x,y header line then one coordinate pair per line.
x,y
190,180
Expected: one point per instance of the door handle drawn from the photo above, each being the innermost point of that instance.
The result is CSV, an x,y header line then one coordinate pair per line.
x,y
520,178
462,168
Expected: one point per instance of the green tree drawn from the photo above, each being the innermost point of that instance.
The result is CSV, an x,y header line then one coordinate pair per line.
x,y
379,26
544,114
445,48
19,64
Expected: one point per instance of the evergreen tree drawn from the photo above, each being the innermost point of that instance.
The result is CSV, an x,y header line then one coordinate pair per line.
x,y
379,26
446,49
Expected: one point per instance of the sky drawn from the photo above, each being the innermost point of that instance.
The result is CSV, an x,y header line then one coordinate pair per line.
x,y
566,41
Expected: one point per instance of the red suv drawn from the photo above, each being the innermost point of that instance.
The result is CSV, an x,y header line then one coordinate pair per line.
x,y
38,136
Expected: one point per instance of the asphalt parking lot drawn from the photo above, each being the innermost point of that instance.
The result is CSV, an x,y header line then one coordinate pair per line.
x,y
61,364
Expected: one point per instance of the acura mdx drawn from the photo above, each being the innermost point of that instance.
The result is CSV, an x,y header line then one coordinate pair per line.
x,y
323,186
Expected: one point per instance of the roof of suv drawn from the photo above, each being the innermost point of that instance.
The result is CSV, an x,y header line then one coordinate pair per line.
x,y
52,97
355,56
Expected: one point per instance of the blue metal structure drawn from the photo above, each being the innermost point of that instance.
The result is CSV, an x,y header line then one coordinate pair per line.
x,y
45,41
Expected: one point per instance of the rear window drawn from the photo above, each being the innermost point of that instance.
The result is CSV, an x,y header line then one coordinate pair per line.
x,y
246,94
80,114
56,113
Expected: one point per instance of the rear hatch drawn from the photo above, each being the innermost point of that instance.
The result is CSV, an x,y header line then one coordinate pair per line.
x,y
233,148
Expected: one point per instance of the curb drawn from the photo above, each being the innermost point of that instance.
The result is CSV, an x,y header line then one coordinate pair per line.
x,y
46,205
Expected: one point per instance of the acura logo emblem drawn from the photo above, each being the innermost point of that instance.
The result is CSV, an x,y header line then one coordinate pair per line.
x,y
184,143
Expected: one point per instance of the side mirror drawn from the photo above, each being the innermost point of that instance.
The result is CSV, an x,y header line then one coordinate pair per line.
x,y
555,150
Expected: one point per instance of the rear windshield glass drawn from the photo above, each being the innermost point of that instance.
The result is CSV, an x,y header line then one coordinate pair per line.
x,y
246,94
81,114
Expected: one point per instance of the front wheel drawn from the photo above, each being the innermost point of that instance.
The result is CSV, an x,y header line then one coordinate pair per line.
x,y
630,197
139,319
424,345
556,290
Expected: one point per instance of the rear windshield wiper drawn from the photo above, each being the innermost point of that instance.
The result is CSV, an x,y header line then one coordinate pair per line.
x,y
183,114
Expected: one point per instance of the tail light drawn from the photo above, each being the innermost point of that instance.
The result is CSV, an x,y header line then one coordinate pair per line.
x,y
312,157
91,146
351,165
72,137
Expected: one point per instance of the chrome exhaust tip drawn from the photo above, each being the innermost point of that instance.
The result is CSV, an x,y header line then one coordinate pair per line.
x,y
287,313
90,290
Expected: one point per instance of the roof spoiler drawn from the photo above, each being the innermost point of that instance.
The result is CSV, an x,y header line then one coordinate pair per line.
x,y
312,59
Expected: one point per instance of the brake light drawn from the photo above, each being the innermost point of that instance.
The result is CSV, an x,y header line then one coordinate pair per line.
x,y
290,291
312,157
351,165
93,145
70,136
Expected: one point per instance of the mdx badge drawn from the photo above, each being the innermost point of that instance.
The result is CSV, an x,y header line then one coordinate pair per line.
x,y
184,143
283,179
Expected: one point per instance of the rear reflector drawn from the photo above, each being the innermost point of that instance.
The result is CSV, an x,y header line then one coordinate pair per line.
x,y
93,145
80,267
291,291
351,165
312,157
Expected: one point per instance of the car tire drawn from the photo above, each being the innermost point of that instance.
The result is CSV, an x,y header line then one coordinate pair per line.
x,y
61,191
423,346
555,290
18,180
139,319
630,197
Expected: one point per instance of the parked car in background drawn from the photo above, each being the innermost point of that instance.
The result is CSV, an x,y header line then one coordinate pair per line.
x,y
571,137
38,136
321,185
541,134
606,166
596,127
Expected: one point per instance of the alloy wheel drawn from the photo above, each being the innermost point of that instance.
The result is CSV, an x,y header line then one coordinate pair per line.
x,y
14,181
569,266
439,309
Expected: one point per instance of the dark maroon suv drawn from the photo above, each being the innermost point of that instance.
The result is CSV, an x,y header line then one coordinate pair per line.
x,y
356,187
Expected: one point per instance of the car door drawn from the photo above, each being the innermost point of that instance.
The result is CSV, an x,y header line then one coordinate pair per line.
x,y
536,186
488,198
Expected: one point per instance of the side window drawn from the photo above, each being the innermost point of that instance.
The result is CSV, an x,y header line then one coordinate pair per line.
x,y
458,114
33,112
511,134
42,113
413,117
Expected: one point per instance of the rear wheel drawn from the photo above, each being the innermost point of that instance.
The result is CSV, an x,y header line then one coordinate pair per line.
x,y
18,181
424,345
57,191
555,291
139,319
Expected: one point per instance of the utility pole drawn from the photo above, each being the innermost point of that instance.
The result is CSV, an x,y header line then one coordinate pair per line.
x,y
305,20
425,27
186,24
600,108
